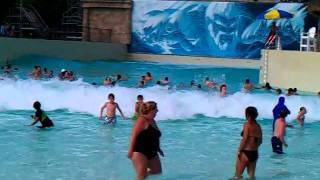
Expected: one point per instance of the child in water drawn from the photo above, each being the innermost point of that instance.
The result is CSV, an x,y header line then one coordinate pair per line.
x,y
40,116
300,116
137,108
111,107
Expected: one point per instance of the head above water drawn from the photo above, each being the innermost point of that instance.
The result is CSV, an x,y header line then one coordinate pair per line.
x,y
36,105
111,96
303,109
166,78
148,74
140,97
251,113
247,81
278,91
223,87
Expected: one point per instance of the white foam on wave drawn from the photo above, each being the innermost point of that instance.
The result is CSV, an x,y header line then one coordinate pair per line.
x,y
79,96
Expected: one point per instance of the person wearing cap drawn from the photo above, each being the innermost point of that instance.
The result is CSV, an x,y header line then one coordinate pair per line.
x,y
62,74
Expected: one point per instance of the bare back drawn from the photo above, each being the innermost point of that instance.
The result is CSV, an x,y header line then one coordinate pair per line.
x,y
254,138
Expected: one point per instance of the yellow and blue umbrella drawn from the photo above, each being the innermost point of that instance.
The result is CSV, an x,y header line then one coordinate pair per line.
x,y
274,14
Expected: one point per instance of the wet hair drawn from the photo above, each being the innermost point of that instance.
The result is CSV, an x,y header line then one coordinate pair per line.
x,y
279,91
45,69
158,82
283,113
139,96
302,108
166,78
94,83
111,95
247,81
223,85
143,77
148,73
290,90
192,82
118,76
319,93
295,89
36,105
251,112
207,78
199,86
148,107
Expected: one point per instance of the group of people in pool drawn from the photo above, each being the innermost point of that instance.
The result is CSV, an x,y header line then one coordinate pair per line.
x,y
247,154
39,73
144,148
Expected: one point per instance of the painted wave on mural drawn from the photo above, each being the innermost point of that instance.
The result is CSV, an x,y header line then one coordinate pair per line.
x,y
215,29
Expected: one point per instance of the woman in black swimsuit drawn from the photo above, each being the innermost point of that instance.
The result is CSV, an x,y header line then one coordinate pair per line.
x,y
247,155
145,142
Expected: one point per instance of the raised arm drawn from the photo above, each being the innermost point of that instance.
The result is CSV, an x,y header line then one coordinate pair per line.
x,y
138,127
101,110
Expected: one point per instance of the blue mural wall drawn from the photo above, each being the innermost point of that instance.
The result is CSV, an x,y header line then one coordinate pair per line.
x,y
214,29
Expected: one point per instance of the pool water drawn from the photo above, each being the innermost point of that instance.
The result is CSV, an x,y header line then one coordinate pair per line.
x,y
200,130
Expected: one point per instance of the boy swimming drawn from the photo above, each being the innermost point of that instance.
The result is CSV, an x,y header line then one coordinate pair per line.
x,y
41,116
111,107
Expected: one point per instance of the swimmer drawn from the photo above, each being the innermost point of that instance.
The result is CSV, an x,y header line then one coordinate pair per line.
x,y
295,91
267,87
223,90
50,74
143,78
301,116
121,78
148,76
36,72
40,116
290,92
140,84
247,155
277,139
62,74
209,84
70,76
137,108
247,86
111,107
107,81
278,91
165,81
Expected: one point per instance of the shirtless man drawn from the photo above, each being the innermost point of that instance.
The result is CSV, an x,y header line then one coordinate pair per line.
x,y
279,131
111,107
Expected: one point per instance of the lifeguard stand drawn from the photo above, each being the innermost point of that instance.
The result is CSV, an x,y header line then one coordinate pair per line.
x,y
308,41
